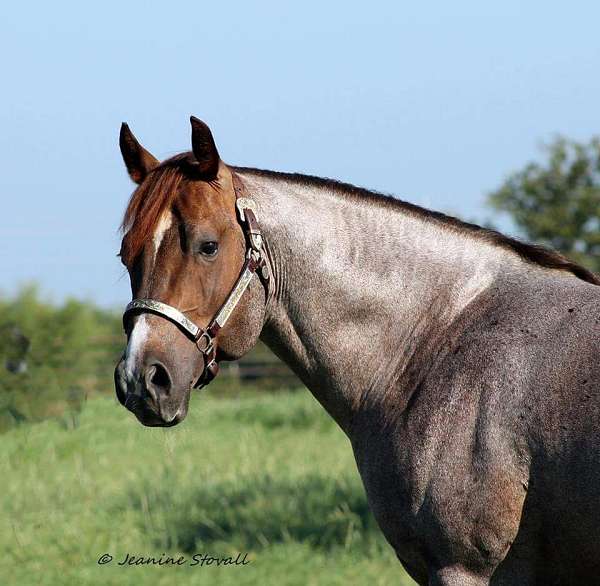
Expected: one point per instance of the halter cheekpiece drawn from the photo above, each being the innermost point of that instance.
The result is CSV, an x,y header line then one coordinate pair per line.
x,y
205,339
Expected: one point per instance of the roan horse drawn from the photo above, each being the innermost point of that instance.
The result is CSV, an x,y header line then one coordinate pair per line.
x,y
461,364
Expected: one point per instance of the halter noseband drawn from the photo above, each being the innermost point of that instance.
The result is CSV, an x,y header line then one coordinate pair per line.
x,y
205,338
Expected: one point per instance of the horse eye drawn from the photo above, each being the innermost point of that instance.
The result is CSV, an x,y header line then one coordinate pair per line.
x,y
209,248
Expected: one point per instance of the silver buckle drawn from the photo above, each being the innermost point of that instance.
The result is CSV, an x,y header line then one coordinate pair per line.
x,y
209,343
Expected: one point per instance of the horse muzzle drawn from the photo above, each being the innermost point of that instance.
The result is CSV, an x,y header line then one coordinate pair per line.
x,y
149,395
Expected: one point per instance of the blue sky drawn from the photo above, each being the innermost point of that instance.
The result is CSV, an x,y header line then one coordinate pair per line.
x,y
435,102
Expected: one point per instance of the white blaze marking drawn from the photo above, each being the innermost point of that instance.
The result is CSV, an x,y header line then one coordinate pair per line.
x,y
135,344
163,225
140,330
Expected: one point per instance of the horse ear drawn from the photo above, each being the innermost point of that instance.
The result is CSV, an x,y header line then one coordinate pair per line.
x,y
138,160
204,148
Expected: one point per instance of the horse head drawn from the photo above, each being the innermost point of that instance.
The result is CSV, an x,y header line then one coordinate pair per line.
x,y
186,249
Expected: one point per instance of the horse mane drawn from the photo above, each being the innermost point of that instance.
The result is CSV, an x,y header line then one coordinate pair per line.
x,y
532,253
156,194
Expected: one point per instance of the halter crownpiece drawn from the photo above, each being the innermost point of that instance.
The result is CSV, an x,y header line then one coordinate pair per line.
x,y
205,339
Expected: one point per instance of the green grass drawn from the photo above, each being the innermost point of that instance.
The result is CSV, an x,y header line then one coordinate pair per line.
x,y
269,475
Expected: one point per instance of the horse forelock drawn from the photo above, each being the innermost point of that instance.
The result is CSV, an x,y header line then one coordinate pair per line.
x,y
149,202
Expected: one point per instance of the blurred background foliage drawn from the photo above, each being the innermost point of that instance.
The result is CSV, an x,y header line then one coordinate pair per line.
x,y
53,356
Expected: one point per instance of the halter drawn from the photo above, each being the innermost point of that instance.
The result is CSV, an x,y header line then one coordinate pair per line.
x,y
205,339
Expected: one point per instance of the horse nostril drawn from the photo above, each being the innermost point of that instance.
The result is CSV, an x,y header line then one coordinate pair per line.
x,y
158,378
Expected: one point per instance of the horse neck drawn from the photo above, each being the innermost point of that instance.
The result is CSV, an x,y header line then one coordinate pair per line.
x,y
358,284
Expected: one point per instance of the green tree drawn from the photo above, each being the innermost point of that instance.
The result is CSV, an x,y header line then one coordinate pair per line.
x,y
52,357
557,203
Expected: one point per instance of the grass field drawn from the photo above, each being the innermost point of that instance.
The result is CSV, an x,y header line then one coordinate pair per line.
x,y
269,475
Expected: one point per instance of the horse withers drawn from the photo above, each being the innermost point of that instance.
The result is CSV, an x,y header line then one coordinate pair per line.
x,y
461,364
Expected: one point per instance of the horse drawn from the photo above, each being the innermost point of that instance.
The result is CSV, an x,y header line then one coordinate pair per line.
x,y
462,364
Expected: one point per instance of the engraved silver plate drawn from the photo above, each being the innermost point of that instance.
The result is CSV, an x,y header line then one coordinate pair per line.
x,y
165,310
234,297
245,203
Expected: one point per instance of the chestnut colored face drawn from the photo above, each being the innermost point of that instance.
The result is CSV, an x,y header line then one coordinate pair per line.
x,y
183,246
